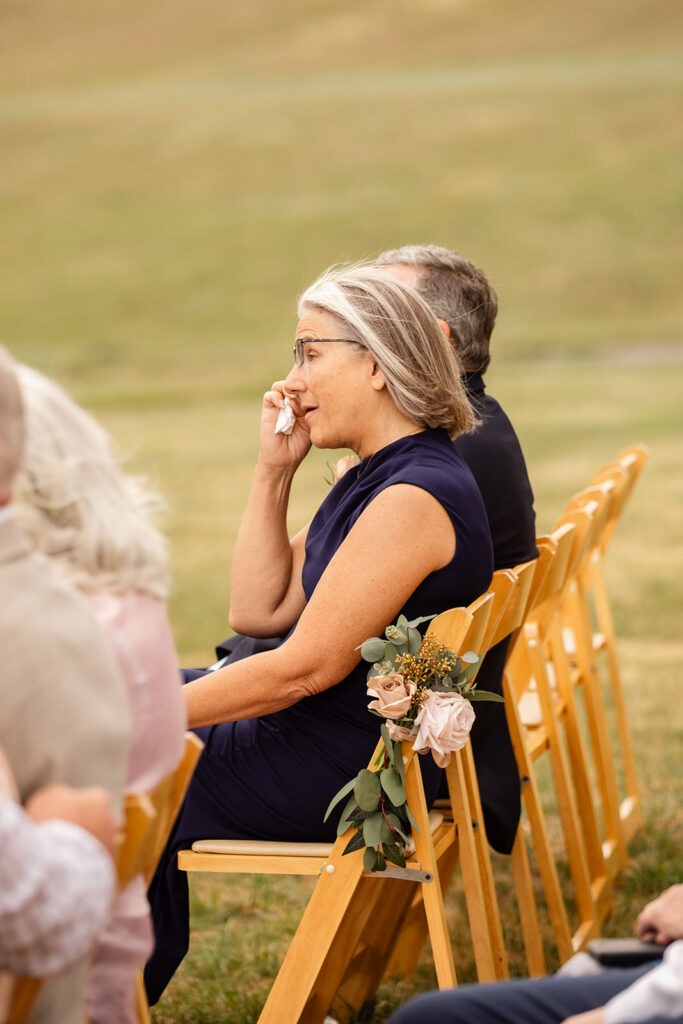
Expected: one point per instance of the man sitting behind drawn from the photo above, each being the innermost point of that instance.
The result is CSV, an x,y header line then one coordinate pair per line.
x,y
466,305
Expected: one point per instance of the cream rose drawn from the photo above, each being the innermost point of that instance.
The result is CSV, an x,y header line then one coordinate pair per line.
x,y
444,722
392,696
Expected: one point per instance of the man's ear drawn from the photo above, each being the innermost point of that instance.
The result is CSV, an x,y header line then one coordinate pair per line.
x,y
445,328
377,380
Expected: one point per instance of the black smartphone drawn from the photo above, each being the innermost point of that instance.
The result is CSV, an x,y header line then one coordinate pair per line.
x,y
624,952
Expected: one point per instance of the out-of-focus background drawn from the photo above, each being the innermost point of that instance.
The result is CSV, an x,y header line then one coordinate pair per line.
x,y
173,174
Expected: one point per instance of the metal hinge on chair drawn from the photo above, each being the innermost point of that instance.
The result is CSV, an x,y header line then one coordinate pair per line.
x,y
404,874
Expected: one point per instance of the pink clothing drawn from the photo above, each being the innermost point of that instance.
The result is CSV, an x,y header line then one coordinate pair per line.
x,y
137,628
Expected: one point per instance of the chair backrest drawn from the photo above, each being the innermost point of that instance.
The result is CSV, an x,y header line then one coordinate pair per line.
x,y
464,629
556,557
502,586
168,797
604,499
515,610
149,817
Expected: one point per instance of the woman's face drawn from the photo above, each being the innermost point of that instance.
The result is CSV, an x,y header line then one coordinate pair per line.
x,y
332,386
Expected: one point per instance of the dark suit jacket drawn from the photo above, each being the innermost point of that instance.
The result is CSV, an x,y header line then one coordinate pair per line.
x,y
494,455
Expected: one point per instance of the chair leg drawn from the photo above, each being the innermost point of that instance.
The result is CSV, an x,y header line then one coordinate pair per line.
x,y
539,831
431,892
141,1004
321,948
577,612
521,873
571,824
630,810
600,888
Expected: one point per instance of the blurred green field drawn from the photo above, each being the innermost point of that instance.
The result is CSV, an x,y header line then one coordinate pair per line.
x,y
172,175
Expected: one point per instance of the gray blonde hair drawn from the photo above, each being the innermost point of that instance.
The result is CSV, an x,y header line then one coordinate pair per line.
x,y
457,292
387,318
76,503
11,424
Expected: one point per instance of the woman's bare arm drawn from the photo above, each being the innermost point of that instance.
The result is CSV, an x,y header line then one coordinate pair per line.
x,y
400,538
266,594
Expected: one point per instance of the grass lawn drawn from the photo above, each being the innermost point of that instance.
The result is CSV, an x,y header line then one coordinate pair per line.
x,y
173,174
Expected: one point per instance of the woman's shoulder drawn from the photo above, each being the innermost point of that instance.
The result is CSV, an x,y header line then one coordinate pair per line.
x,y
428,460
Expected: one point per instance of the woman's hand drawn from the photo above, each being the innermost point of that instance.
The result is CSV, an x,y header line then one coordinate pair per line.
x,y
282,451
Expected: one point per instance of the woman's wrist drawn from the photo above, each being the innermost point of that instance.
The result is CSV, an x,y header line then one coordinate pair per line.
x,y
274,474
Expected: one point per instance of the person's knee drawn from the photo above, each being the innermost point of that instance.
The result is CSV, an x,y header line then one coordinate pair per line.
x,y
454,1006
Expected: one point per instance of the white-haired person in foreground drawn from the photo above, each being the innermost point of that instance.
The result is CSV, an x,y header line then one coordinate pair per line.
x,y
56,877
94,522
64,722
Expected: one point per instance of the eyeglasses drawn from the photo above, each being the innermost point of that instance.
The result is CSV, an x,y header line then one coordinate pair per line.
x,y
298,348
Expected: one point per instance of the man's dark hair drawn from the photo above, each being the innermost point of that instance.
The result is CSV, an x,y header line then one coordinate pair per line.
x,y
457,292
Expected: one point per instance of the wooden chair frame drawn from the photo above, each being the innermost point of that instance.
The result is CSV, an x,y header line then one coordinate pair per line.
x,y
343,941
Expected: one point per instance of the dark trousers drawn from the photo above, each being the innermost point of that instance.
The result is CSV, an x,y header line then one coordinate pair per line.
x,y
530,1001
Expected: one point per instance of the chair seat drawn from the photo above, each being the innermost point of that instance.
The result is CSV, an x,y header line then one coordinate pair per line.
x,y
270,848
248,847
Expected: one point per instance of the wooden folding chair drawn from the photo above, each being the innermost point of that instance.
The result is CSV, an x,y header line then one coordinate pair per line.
x,y
400,927
23,993
617,479
527,674
511,592
149,820
339,945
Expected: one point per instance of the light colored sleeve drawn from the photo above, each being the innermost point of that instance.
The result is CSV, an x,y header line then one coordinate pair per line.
x,y
56,887
659,993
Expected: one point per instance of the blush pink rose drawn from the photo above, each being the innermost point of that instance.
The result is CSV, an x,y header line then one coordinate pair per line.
x,y
444,722
392,695
400,732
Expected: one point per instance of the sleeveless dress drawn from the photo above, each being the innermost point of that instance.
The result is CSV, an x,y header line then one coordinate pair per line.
x,y
272,777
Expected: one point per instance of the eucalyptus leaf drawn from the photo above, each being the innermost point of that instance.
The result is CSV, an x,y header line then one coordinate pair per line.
x,y
469,672
470,658
350,808
486,695
391,654
422,618
394,853
372,649
388,744
414,640
394,822
397,761
367,790
372,829
370,859
411,819
357,814
339,796
381,862
402,622
356,842
392,785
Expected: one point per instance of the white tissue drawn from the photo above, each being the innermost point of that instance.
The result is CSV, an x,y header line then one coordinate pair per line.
x,y
285,420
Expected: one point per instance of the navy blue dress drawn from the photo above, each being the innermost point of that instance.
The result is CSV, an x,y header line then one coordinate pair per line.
x,y
272,777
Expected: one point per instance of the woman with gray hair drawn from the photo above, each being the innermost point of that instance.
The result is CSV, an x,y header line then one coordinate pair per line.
x,y
404,531
94,522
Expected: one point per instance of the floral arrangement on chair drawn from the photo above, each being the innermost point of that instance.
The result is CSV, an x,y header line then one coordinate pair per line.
x,y
424,693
